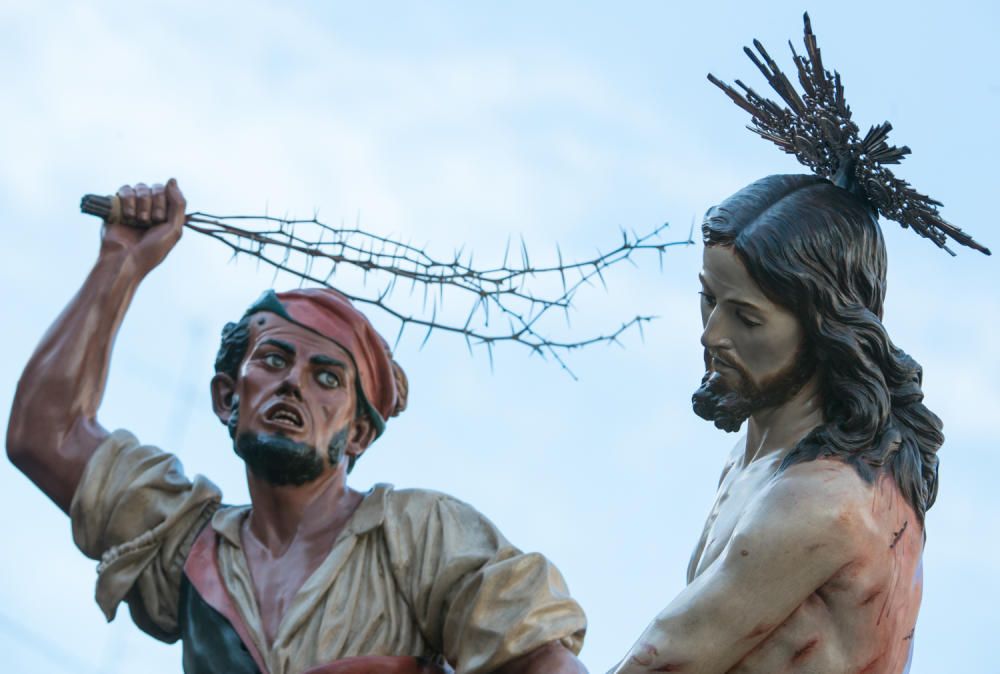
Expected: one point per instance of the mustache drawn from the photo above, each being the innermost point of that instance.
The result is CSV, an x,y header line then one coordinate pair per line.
x,y
725,403
728,403
728,361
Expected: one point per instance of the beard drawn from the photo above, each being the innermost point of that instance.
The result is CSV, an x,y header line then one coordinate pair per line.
x,y
728,405
282,461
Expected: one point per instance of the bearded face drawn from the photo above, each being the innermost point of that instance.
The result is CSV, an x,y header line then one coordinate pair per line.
x,y
291,411
283,461
728,401
755,352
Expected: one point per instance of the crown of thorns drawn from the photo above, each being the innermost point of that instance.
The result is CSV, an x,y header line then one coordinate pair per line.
x,y
817,128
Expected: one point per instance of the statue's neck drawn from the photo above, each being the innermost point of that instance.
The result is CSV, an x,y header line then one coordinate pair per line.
x,y
780,428
283,514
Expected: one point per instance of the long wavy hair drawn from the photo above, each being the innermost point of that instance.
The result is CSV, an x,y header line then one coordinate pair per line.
x,y
817,250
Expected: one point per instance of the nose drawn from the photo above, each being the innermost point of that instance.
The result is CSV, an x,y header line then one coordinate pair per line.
x,y
292,383
713,336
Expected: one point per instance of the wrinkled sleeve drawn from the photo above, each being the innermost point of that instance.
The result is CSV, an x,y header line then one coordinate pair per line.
x,y
137,513
478,598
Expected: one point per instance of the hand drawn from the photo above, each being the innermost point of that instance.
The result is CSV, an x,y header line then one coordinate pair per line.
x,y
156,220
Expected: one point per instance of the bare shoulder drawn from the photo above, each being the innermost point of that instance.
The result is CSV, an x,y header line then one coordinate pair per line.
x,y
832,486
821,505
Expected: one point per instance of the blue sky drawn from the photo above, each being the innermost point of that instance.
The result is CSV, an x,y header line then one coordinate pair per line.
x,y
461,124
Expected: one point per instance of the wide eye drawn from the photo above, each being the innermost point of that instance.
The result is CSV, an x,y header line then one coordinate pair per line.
x,y
275,360
708,300
328,379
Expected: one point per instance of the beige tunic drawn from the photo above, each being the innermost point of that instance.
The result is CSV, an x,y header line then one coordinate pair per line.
x,y
413,573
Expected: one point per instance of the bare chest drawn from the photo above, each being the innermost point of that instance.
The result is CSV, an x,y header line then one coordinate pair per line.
x,y
862,620
277,580
738,488
863,617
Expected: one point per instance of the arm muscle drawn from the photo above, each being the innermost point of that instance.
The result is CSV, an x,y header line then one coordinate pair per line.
x,y
791,540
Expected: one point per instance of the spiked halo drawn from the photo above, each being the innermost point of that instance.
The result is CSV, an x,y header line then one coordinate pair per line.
x,y
817,128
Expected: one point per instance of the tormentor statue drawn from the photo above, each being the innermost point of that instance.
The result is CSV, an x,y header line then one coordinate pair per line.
x,y
810,560
313,575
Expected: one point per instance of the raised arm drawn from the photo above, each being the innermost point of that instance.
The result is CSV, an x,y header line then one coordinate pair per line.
x,y
53,428
795,537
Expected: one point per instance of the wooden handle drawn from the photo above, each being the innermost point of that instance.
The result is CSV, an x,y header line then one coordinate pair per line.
x,y
108,208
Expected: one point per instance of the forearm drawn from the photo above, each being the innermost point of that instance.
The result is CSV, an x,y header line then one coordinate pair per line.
x,y
808,525
53,429
659,649
552,658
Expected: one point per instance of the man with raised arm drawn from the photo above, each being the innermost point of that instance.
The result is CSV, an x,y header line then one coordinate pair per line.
x,y
810,559
313,575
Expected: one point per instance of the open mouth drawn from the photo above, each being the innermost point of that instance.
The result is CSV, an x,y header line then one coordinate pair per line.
x,y
285,416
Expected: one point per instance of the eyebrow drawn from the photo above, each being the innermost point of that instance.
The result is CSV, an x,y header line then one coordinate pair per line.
x,y
284,346
742,303
327,360
748,305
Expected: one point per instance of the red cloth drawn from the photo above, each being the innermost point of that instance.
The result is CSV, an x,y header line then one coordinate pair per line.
x,y
332,315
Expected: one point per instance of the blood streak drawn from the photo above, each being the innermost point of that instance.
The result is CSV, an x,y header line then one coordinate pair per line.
x,y
647,653
762,628
871,667
803,652
898,534
871,597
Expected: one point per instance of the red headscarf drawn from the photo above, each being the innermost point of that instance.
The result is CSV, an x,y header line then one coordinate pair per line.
x,y
381,382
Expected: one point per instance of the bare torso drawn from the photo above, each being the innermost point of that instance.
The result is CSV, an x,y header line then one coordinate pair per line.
x,y
861,620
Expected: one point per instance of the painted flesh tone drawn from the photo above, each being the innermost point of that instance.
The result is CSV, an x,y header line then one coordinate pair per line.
x,y
749,609
861,618
810,569
54,431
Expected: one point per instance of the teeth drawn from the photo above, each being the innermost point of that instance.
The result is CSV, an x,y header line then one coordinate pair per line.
x,y
285,415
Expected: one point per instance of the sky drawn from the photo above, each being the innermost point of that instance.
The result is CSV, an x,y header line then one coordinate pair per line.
x,y
462,124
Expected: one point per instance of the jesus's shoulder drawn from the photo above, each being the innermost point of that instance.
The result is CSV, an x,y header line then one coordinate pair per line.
x,y
820,507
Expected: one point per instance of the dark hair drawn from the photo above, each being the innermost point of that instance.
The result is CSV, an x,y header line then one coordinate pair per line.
x,y
233,349
817,250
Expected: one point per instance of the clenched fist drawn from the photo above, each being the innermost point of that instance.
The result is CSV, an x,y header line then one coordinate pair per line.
x,y
153,222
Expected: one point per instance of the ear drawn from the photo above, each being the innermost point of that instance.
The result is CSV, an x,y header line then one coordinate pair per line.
x,y
223,396
362,435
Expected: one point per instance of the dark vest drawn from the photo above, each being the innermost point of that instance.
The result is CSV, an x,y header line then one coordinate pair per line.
x,y
211,644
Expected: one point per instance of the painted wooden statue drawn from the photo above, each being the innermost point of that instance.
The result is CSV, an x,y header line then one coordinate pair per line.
x,y
810,560
312,575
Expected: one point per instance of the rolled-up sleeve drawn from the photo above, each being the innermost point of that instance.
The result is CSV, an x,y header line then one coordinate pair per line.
x,y
478,598
137,513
